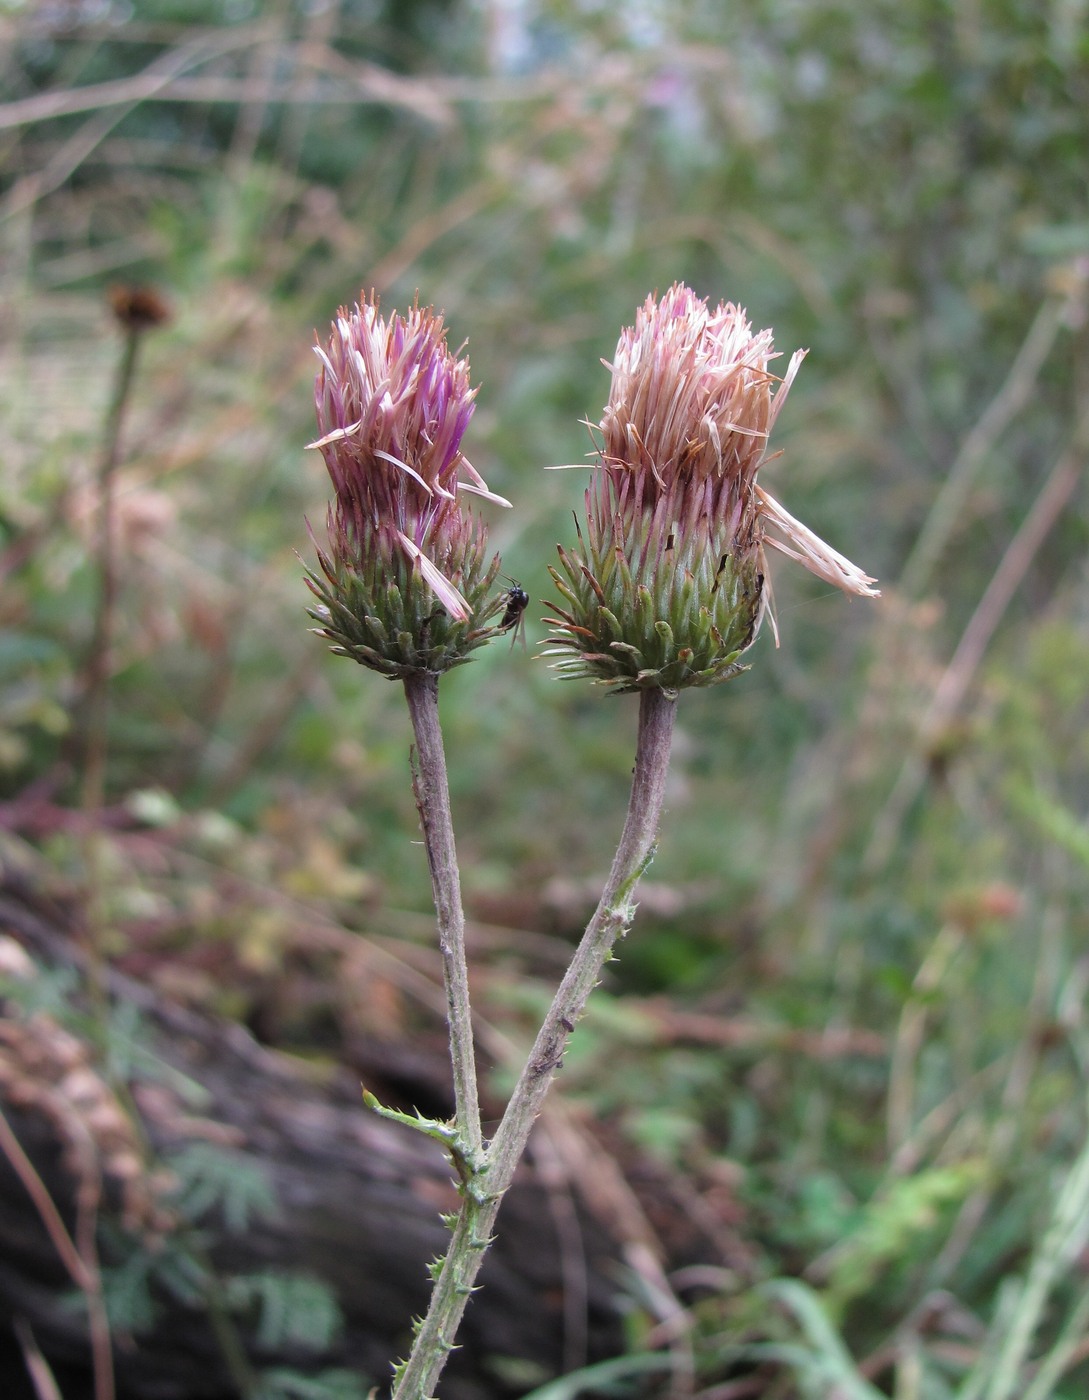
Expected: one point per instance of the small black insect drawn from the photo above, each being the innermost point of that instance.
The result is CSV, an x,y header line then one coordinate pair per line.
x,y
514,613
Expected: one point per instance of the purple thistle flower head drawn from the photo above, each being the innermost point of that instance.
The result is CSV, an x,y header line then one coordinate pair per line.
x,y
667,588
405,572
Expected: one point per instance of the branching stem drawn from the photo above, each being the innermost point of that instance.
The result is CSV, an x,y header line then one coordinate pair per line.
x,y
482,1196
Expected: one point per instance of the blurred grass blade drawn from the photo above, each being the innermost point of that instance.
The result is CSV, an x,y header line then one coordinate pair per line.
x,y
605,1378
828,1362
1061,1244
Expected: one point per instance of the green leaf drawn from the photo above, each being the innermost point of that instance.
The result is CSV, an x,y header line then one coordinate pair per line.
x,y
279,1383
212,1178
891,1225
293,1309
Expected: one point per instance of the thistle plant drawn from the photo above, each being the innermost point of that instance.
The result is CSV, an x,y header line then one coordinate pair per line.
x,y
665,588
403,584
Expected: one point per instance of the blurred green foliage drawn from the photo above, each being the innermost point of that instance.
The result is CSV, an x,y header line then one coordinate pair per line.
x,y
886,919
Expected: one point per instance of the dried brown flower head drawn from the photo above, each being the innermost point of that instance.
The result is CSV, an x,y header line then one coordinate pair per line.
x,y
138,308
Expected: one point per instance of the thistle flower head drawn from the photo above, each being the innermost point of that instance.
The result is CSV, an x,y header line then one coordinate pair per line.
x,y
667,586
405,573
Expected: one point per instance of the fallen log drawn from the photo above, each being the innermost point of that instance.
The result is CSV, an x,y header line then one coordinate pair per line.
x,y
351,1208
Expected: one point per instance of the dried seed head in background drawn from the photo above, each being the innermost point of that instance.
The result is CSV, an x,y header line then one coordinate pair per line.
x,y
138,308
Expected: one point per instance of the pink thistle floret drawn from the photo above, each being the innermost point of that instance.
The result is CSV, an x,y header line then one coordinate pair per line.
x,y
667,587
692,403
691,393
403,585
393,404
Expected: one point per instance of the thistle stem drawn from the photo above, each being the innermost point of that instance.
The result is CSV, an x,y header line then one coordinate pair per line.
x,y
611,920
96,680
483,1194
432,792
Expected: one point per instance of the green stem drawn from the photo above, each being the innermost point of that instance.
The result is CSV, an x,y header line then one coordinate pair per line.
x,y
611,920
483,1194
432,790
96,681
